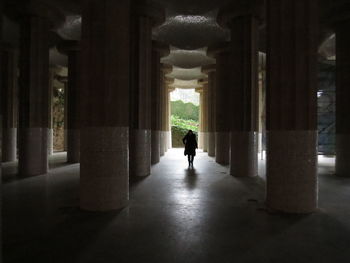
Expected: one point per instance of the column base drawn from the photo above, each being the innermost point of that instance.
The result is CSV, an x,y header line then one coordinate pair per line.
x,y
291,175
155,154
244,161
162,143
205,142
9,144
73,146
140,153
65,143
342,160
104,169
167,140
211,144
33,152
200,140
50,142
222,150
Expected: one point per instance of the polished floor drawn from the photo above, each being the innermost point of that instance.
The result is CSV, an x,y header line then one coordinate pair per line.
x,y
175,215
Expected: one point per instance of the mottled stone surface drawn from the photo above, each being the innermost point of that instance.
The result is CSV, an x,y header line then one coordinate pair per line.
x,y
73,146
168,140
211,144
155,153
33,154
200,140
342,161
243,158
205,141
50,141
104,169
9,144
291,183
140,152
161,144
222,150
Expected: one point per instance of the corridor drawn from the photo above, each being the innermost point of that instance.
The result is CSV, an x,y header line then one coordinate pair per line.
x,y
174,215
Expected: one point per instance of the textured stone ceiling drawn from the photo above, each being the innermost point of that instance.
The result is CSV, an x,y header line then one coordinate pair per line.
x,y
190,31
71,29
187,58
185,84
186,74
327,48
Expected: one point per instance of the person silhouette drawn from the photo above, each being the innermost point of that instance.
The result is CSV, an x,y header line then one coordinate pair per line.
x,y
190,143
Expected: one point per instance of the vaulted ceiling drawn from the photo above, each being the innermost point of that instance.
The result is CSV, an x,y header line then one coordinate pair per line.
x,y
189,28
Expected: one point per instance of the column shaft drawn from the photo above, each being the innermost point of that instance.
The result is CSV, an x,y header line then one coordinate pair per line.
x,y
222,150
205,118
292,105
155,154
244,96
211,113
33,94
342,99
9,104
52,72
73,107
104,155
162,113
141,97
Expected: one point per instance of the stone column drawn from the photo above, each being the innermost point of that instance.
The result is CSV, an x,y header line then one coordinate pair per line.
x,y
33,95
1,127
291,108
162,112
211,112
168,117
72,102
104,156
9,103
222,103
244,95
52,72
205,117
144,15
155,154
200,128
342,166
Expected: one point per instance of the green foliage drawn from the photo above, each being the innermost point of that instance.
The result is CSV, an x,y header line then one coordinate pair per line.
x,y
186,111
184,124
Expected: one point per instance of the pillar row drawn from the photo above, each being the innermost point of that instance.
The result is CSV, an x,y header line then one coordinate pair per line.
x,y
104,158
205,117
292,106
244,95
211,112
144,16
155,119
33,95
222,104
73,99
9,103
342,99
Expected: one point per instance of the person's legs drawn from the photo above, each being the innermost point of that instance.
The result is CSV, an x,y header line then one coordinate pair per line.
x,y
192,159
189,160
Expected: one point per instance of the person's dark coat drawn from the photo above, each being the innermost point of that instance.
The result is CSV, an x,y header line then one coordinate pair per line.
x,y
190,144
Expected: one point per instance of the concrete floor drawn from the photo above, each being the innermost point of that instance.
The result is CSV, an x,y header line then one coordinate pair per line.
x,y
175,215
